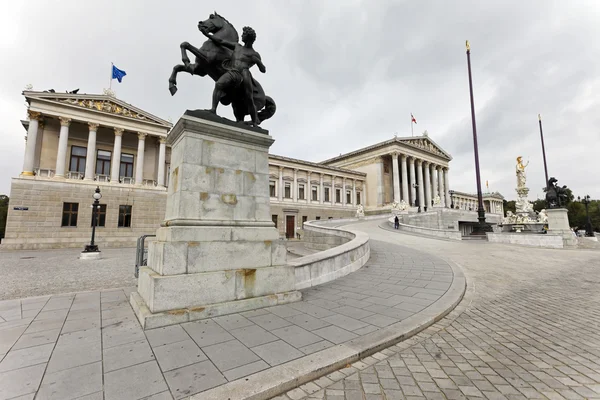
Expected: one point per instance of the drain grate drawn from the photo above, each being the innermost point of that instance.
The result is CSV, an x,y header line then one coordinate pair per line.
x,y
26,258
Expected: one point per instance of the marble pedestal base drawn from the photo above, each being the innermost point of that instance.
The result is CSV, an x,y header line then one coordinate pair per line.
x,y
217,251
558,224
90,255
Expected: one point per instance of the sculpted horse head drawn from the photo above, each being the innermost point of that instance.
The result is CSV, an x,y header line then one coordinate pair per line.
x,y
213,54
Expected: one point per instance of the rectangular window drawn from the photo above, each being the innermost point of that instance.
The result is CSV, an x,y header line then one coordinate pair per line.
x,y
103,162
78,155
272,189
301,192
304,219
69,214
318,218
357,198
338,196
274,218
124,216
327,194
386,168
330,218
348,197
314,193
101,216
126,168
288,191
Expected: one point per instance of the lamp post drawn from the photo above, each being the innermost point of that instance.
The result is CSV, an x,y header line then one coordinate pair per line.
x,y
417,204
451,198
588,222
482,227
92,247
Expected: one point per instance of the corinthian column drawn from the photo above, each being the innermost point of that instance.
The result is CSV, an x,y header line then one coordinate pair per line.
x,y
413,195
396,176
63,139
90,159
139,167
161,161
447,185
427,185
441,186
295,188
434,183
420,183
280,188
115,168
30,145
404,180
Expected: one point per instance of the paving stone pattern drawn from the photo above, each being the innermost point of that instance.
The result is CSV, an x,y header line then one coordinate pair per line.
x,y
528,328
90,345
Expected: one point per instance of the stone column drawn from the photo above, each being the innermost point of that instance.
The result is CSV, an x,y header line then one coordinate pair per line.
x,y
354,192
380,184
396,176
447,186
427,185
61,155
90,160
115,169
295,187
161,161
30,145
434,181
321,190
413,194
139,167
363,201
332,193
280,185
441,186
308,188
420,183
404,180
343,191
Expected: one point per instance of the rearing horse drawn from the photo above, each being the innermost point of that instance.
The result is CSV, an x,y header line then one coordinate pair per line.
x,y
211,60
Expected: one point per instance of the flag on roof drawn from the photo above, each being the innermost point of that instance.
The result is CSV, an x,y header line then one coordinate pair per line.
x,y
412,118
117,73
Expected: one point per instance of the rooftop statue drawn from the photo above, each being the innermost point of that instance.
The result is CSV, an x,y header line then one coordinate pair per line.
x,y
228,63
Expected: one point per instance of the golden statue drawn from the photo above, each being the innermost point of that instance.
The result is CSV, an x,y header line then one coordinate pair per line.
x,y
520,169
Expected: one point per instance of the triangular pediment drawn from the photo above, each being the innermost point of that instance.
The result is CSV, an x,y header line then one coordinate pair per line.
x,y
426,144
98,103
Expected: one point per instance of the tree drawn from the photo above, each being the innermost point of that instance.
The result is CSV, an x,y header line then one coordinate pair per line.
x,y
3,214
509,206
539,205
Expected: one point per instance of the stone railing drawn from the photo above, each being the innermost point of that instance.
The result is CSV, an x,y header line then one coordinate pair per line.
x,y
435,232
343,252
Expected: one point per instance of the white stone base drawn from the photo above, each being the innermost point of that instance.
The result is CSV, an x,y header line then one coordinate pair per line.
x,y
558,224
527,239
90,255
150,320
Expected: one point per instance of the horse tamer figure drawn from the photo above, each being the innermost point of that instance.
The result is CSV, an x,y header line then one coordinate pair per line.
x,y
556,196
228,63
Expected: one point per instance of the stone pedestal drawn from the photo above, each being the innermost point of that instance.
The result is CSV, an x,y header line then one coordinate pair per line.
x,y
558,224
217,252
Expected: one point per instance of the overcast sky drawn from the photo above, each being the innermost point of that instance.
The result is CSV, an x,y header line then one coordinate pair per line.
x,y
344,74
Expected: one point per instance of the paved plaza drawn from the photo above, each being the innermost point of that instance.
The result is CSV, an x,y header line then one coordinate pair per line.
x,y
74,345
527,328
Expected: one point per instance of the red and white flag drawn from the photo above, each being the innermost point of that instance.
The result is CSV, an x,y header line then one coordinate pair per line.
x,y
412,118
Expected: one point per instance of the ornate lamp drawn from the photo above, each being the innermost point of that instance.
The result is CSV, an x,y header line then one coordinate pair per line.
x,y
92,247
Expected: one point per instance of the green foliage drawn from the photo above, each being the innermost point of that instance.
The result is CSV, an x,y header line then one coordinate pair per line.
x,y
509,206
539,205
577,214
3,214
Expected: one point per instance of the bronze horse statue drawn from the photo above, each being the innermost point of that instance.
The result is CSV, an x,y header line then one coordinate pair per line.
x,y
212,60
556,196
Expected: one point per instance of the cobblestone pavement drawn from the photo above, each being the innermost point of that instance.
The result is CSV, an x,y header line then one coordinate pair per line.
x,y
528,328
75,345
44,272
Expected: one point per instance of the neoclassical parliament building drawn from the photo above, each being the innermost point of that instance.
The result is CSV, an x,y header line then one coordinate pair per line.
x,y
77,142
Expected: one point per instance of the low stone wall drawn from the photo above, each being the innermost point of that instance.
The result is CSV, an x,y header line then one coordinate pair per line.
x,y
345,252
434,232
524,239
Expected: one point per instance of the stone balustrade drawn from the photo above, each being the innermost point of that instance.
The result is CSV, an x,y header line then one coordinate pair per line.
x,y
345,252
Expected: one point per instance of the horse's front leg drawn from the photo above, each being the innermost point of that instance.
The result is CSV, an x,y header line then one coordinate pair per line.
x,y
173,78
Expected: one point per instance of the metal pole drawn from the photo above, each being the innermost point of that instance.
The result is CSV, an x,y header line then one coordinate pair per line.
x,y
94,221
543,151
481,211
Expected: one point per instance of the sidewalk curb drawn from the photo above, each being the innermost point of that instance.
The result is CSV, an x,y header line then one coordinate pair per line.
x,y
282,378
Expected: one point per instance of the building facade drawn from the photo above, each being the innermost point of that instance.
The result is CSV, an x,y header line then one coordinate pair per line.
x,y
76,142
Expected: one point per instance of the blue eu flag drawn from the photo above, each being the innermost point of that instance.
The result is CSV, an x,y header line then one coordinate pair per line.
x,y
117,73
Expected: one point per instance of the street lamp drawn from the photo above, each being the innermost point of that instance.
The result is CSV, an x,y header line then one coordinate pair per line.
x,y
417,203
93,248
588,222
451,198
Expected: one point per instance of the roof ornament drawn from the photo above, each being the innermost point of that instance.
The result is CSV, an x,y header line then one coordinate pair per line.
x,y
109,92
425,133
29,86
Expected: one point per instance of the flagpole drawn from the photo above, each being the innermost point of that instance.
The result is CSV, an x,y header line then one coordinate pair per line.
x,y
411,126
543,150
111,78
